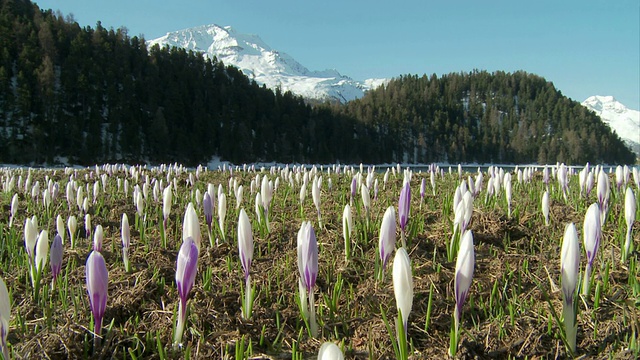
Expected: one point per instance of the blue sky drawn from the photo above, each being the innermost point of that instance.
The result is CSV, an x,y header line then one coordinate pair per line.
x,y
584,47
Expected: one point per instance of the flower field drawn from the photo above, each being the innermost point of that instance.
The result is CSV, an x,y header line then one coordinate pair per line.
x,y
165,262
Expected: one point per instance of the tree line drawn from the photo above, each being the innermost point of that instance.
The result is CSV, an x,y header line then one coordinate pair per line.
x,y
88,95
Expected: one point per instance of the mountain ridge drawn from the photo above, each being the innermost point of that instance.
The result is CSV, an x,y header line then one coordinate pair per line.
x,y
267,66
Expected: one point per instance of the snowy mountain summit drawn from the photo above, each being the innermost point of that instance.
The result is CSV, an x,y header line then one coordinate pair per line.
x,y
624,121
265,65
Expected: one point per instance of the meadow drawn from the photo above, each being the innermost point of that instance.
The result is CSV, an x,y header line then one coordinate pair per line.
x,y
514,307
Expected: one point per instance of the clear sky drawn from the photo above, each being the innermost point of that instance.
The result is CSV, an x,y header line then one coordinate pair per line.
x,y
584,47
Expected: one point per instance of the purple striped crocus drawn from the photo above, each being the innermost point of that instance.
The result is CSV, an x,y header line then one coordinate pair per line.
x,y
55,256
404,204
186,269
245,249
308,268
97,288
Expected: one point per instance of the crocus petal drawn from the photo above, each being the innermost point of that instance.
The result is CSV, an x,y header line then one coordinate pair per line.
x,y
569,262
97,278
245,241
186,267
387,238
403,283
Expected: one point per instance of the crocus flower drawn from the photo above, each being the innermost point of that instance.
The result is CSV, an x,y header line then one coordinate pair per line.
x,y
545,207
366,199
308,268
404,204
72,225
98,238
14,209
330,351
258,206
387,239
166,203
569,264
507,191
126,241
239,197
354,186
186,269
222,212
630,216
87,225
30,237
191,226
245,249
592,232
315,194
603,192
60,227
403,284
465,264
42,251
347,226
5,314
266,191
207,209
55,256
97,288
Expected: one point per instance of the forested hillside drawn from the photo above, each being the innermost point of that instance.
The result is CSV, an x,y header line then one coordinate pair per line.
x,y
485,117
88,95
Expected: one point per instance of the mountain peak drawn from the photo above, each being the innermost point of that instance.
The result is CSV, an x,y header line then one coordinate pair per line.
x,y
624,121
267,66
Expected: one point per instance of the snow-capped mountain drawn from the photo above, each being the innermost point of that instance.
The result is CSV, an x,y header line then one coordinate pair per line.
x,y
265,65
624,121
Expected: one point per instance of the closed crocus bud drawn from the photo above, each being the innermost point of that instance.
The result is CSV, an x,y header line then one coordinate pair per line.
x,y
308,268
5,314
387,238
630,216
42,250
592,232
239,192
14,208
97,278
258,205
207,206
222,212
347,226
366,199
307,255
404,204
139,204
245,249
30,237
545,207
569,264
98,237
423,188
330,351
72,225
87,225
191,226
60,227
245,242
166,203
186,269
403,284
465,264
55,257
125,232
